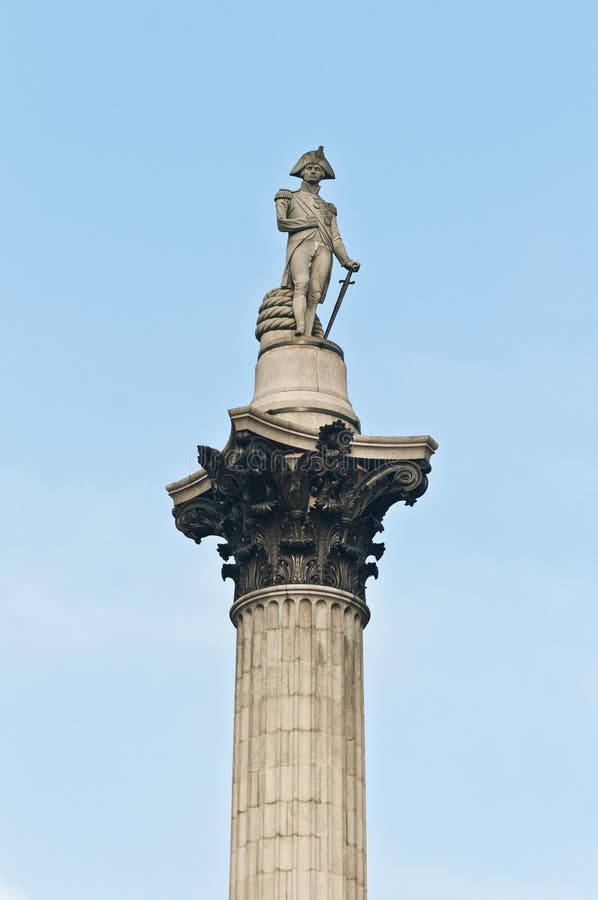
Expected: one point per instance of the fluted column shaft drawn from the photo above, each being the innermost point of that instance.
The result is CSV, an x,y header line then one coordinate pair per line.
x,y
298,801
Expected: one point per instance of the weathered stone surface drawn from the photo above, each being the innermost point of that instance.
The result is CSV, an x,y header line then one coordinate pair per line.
x,y
298,808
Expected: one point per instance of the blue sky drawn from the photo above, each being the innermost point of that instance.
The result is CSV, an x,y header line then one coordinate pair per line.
x,y
142,147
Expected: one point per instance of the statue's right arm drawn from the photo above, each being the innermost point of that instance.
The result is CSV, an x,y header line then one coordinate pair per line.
x,y
286,223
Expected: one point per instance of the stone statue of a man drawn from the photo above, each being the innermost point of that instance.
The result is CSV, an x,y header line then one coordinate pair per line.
x,y
313,239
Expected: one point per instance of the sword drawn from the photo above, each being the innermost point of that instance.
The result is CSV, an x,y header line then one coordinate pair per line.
x,y
345,285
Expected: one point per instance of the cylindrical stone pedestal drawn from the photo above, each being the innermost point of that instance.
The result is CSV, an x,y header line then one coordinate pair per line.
x,y
298,801
303,380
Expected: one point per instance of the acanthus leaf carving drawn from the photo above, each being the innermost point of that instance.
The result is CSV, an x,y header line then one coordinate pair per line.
x,y
307,518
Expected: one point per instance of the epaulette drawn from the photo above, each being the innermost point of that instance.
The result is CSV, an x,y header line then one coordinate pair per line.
x,y
283,194
332,208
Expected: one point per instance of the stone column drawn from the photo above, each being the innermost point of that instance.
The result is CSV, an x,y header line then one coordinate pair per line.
x,y
298,801
298,510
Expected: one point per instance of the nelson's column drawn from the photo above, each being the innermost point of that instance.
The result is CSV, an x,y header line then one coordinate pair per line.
x,y
297,496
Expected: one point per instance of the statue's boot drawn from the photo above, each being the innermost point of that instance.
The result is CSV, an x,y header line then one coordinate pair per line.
x,y
299,306
310,315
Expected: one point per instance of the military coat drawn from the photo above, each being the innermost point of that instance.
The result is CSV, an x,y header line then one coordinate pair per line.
x,y
295,214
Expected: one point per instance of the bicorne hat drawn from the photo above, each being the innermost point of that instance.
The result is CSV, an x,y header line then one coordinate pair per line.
x,y
313,157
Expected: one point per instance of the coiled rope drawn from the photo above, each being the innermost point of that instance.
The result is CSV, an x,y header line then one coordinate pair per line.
x,y
276,314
